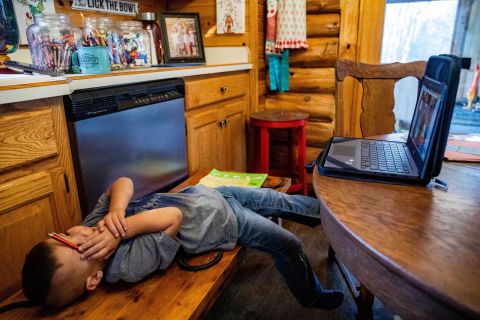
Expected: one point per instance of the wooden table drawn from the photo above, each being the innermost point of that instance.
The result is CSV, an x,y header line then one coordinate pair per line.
x,y
170,294
415,248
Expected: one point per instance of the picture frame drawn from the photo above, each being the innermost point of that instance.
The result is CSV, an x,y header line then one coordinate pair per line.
x,y
181,38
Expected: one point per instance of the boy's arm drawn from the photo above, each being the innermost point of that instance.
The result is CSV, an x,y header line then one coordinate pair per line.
x,y
166,219
120,193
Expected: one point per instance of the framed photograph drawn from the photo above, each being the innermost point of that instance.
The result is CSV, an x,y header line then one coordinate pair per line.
x,y
181,37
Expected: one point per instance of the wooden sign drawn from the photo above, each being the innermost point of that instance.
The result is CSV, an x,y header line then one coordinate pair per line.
x,y
111,6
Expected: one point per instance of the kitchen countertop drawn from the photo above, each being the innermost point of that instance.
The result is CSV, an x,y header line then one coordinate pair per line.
x,y
16,88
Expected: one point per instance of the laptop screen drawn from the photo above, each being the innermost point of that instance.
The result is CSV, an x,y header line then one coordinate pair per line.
x,y
425,119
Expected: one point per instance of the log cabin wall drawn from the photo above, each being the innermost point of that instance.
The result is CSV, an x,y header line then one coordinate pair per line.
x,y
262,67
312,78
208,21
336,29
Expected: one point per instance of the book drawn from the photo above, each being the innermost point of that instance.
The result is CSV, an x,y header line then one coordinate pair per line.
x,y
217,178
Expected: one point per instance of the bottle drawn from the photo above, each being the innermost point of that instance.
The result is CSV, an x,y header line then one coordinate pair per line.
x,y
9,36
52,41
136,43
149,21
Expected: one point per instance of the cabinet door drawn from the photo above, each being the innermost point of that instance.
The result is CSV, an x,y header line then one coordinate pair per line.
x,y
203,140
234,135
26,216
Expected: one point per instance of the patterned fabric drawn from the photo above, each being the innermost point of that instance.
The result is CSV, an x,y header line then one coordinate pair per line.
x,y
271,34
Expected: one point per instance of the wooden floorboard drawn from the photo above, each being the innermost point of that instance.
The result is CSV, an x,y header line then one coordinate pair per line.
x,y
257,290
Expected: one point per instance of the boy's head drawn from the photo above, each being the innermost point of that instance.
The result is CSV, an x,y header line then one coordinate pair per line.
x,y
54,274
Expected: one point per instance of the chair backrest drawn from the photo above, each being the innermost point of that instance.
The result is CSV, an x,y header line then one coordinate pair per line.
x,y
376,116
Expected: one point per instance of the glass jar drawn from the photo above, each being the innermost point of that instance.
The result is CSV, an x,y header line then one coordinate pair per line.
x,y
136,43
52,41
149,21
90,33
101,32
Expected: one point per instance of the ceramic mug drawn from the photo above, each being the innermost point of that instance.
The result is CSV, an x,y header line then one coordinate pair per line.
x,y
91,60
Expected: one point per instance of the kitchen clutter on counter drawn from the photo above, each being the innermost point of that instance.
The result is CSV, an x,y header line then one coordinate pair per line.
x,y
99,47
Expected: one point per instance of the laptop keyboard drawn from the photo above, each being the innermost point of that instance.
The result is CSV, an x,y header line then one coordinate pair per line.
x,y
384,156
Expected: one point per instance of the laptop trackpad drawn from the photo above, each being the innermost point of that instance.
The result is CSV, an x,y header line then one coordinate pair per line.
x,y
348,151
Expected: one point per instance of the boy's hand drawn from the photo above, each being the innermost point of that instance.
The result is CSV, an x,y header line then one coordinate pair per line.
x,y
99,246
115,222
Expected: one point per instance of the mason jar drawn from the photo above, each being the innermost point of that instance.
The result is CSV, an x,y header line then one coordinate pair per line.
x,y
101,32
112,37
52,41
136,42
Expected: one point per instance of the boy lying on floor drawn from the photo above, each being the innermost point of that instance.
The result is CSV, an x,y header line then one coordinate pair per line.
x,y
127,240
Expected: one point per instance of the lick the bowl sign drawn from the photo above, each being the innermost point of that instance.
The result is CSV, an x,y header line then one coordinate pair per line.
x,y
112,6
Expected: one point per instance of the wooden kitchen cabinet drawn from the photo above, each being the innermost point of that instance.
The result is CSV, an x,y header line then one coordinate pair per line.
x,y
38,192
216,119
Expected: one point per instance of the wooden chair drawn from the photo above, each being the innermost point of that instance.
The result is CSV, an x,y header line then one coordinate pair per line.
x,y
376,116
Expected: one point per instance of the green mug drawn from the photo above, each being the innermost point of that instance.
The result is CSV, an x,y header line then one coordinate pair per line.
x,y
91,60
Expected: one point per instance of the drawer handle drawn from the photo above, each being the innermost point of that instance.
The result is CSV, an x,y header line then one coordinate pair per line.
x,y
223,89
67,182
222,123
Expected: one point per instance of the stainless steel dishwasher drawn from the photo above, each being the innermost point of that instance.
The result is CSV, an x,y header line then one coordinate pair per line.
x,y
135,130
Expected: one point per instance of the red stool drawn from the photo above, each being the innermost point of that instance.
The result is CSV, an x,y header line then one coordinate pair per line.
x,y
295,123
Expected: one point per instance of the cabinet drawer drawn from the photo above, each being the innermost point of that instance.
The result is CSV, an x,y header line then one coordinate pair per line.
x,y
204,91
26,137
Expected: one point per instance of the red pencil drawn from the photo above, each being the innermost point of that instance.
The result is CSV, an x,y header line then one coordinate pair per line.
x,y
62,239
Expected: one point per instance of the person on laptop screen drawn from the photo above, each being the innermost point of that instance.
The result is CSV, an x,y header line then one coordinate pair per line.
x,y
422,126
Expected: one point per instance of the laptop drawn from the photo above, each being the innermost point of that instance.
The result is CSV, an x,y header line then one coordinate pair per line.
x,y
388,161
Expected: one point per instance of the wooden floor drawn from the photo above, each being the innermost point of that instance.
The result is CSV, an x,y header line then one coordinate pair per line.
x,y
257,290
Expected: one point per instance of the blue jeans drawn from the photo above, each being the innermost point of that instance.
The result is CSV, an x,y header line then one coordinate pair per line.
x,y
251,206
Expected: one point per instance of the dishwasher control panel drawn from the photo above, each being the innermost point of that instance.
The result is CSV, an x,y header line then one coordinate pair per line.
x,y
142,99
84,104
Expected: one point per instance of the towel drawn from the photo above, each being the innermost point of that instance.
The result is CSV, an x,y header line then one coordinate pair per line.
x,y
286,29
291,28
279,74
271,32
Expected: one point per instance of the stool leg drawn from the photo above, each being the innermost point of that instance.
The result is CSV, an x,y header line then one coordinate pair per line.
x,y
257,154
302,150
291,151
264,150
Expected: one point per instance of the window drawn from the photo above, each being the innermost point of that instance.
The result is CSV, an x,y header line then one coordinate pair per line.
x,y
416,30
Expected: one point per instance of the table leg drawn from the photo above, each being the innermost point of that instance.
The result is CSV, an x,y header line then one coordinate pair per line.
x,y
302,150
362,296
364,302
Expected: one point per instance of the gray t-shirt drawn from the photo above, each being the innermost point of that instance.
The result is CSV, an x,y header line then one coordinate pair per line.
x,y
208,223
